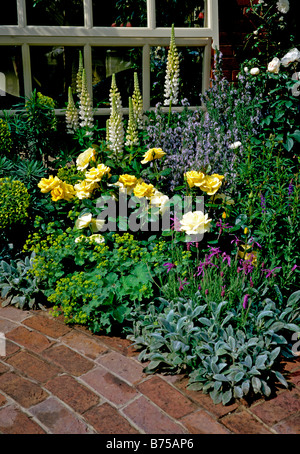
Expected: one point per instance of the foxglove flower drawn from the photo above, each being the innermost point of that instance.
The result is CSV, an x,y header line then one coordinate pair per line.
x,y
137,103
86,107
131,133
172,73
72,119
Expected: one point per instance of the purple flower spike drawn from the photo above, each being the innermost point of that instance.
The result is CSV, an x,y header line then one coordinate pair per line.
x,y
245,302
169,266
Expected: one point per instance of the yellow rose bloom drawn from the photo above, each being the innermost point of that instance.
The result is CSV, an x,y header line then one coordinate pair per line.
x,y
153,153
84,189
144,190
47,184
129,181
194,178
97,224
64,191
194,223
210,184
96,173
84,158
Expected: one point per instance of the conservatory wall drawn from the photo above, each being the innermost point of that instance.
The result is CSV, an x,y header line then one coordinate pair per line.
x,y
40,42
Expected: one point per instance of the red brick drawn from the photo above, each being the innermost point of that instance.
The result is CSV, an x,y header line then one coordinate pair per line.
x,y
107,420
124,346
127,368
2,400
57,418
7,325
109,386
72,393
201,422
15,422
151,419
204,400
46,325
279,408
295,378
14,314
166,397
33,367
69,360
84,344
289,425
31,340
23,391
10,349
3,368
244,423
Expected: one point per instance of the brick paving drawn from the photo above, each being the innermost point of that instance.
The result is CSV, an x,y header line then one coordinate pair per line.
x,y
58,379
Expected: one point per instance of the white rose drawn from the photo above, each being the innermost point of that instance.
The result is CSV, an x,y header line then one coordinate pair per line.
x,y
283,6
274,65
290,57
97,224
235,145
254,71
83,221
97,238
194,223
159,200
246,69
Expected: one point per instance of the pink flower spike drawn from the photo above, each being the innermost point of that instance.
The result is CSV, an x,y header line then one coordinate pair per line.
x,y
169,266
294,267
245,302
182,284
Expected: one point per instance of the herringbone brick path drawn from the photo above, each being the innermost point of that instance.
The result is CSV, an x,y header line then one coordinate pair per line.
x,y
57,379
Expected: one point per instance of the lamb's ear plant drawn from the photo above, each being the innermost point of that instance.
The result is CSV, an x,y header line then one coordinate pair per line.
x,y
17,287
203,340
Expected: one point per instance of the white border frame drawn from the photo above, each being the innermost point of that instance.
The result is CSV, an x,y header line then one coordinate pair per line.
x,y
87,36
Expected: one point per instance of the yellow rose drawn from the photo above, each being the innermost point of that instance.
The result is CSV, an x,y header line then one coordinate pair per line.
x,y
84,189
97,224
84,158
47,184
194,178
194,223
210,184
129,181
153,153
64,191
83,221
96,173
144,190
251,256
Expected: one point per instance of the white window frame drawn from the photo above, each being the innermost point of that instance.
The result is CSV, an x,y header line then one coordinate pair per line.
x,y
88,36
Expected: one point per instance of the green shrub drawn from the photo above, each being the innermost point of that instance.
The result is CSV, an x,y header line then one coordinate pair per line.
x,y
14,202
5,137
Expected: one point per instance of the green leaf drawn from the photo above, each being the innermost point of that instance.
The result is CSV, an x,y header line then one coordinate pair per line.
x,y
281,378
294,297
295,135
238,376
256,384
220,377
226,397
238,392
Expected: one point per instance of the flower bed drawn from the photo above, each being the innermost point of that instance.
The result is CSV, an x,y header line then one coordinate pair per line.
x,y
179,230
